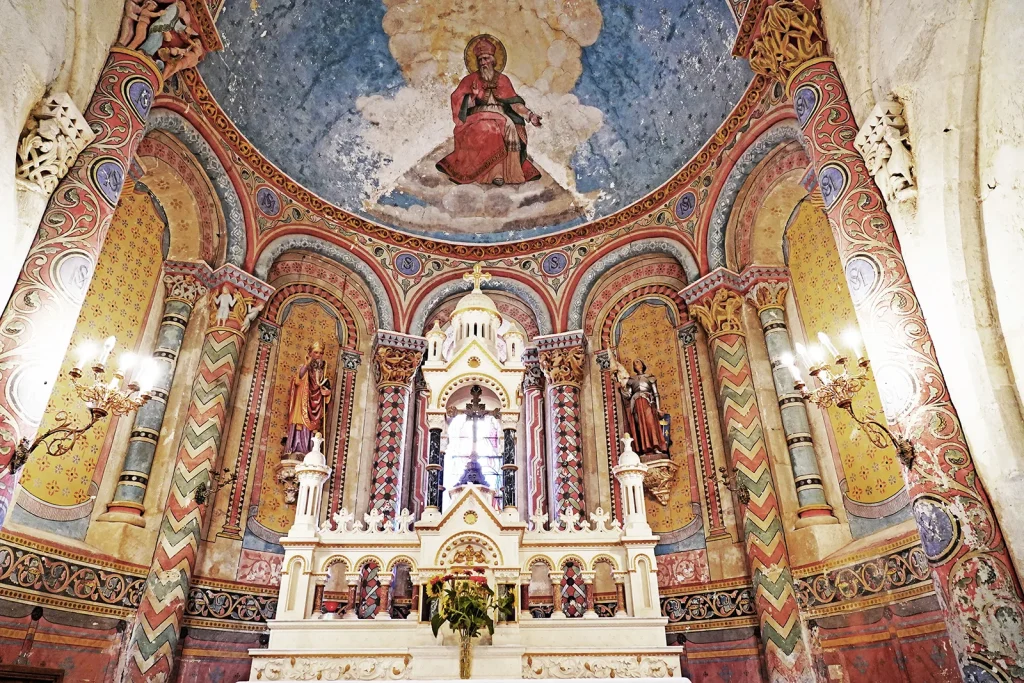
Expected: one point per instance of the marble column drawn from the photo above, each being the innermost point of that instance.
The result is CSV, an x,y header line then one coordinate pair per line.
x,y
350,361
162,606
767,293
533,434
435,466
508,468
715,303
396,358
183,284
971,567
562,358
37,324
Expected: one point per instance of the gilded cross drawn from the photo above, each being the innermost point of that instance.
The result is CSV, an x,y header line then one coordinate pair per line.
x,y
476,277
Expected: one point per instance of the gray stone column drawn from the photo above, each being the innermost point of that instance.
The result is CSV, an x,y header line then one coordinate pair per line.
x,y
767,292
183,286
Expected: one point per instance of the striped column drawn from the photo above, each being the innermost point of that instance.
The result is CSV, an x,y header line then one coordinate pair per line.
x,y
533,443
767,293
396,358
156,634
714,302
563,358
971,566
37,324
183,285
350,361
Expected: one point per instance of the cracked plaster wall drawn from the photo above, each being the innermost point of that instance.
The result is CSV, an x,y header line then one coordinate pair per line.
x,y
956,66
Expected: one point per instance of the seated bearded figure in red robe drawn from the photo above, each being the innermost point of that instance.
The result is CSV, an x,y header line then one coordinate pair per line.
x,y
490,127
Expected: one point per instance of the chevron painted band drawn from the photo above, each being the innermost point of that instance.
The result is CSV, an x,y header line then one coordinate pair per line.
x,y
774,594
155,636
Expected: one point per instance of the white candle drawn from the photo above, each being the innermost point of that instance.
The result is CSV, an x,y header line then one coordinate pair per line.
x,y
802,352
827,343
148,374
818,354
86,352
852,339
108,346
126,362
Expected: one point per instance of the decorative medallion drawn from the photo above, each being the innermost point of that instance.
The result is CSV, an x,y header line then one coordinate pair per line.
x,y
470,517
408,264
28,391
140,94
108,176
268,202
862,276
554,263
72,273
940,530
473,362
805,101
832,181
685,205
897,388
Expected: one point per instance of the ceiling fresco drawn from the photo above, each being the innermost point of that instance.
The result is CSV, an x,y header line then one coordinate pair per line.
x,y
478,120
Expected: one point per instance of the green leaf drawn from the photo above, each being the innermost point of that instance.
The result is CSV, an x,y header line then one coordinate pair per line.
x,y
435,623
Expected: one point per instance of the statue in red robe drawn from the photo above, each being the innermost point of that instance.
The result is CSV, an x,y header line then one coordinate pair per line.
x,y
490,122
642,411
309,394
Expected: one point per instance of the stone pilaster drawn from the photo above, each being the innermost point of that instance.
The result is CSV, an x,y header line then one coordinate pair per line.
x,y
235,300
396,358
183,285
972,569
534,421
563,358
350,361
715,302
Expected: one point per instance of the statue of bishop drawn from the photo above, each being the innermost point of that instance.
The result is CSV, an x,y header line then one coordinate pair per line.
x,y
307,401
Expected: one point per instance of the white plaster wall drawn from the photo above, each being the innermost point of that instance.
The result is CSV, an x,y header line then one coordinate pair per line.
x,y
57,45
956,66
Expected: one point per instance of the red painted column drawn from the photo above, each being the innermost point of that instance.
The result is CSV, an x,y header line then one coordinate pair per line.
x,y
350,360
533,441
971,567
37,324
396,359
715,303
155,639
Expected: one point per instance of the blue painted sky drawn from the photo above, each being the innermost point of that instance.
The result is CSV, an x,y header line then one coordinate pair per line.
x,y
290,74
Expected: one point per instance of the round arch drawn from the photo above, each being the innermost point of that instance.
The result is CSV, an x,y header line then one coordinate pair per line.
x,y
436,296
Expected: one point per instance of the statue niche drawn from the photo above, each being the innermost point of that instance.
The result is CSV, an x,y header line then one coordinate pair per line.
x,y
308,397
643,419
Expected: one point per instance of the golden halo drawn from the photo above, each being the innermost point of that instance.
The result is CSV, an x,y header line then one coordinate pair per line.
x,y
499,53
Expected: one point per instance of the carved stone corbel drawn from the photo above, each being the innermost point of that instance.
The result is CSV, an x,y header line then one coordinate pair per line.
x,y
52,139
883,142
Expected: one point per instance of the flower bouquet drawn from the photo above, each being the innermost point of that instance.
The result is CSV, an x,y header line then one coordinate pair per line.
x,y
466,603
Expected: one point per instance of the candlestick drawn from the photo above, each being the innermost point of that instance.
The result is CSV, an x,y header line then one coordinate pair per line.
x,y
827,343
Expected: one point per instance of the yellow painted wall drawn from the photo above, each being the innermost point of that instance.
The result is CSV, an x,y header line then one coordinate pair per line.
x,y
306,323
872,474
648,334
119,297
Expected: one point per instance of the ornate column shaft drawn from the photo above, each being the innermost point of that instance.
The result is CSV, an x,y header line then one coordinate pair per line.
x,y
533,438
508,468
713,301
36,326
183,285
350,361
698,408
396,359
435,469
767,293
562,358
972,569
609,397
239,298
421,449
267,335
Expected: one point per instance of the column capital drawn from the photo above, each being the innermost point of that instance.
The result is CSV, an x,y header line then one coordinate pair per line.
x,y
396,357
788,36
185,281
562,357
714,300
178,44
766,286
687,333
351,359
237,298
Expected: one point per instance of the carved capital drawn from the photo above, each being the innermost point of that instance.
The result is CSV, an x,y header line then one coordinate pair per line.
x,y
182,286
350,360
719,312
563,366
54,135
268,332
236,298
884,144
396,366
533,378
789,36
175,33
688,334
768,294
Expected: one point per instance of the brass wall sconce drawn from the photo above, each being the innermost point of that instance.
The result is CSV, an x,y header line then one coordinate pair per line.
x,y
730,480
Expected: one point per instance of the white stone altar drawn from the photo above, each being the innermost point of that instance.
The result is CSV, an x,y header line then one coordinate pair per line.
x,y
307,644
